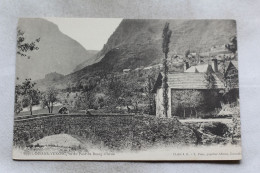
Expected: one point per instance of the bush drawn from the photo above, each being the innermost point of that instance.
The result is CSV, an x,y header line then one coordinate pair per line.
x,y
216,128
114,132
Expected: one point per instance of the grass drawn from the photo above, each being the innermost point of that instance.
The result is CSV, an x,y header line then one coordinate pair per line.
x,y
40,111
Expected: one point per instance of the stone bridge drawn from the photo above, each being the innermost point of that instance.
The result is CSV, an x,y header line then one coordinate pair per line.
x,y
115,131
28,129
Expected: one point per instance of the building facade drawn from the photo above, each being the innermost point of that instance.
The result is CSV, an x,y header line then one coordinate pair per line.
x,y
191,94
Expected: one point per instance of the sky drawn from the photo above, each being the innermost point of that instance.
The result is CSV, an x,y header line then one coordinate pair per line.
x,y
91,33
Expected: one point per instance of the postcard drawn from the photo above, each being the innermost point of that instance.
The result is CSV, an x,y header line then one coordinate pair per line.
x,y
126,89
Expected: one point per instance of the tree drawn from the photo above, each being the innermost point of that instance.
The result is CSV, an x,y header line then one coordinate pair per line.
x,y
232,46
23,47
165,47
115,87
87,99
150,95
187,52
26,95
49,98
210,79
18,106
184,100
196,100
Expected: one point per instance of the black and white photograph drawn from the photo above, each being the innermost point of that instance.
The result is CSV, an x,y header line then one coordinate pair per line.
x,y
126,89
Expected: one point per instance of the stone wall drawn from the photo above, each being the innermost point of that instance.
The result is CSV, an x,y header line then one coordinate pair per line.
x,y
115,132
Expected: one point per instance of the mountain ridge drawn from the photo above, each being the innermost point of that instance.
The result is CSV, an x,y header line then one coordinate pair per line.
x,y
137,43
57,51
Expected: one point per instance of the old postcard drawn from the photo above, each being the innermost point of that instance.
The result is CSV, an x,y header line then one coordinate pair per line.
x,y
126,89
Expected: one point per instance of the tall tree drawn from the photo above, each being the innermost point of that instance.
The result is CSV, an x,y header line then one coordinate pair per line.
x,y
150,95
49,98
165,48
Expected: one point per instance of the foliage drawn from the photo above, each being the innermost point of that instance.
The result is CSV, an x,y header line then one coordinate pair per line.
x,y
85,100
114,92
26,95
115,87
232,46
114,132
18,107
49,97
187,52
23,47
196,100
165,47
150,95
187,99
210,79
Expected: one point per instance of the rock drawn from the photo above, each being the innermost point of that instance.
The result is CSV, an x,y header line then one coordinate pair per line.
x,y
61,140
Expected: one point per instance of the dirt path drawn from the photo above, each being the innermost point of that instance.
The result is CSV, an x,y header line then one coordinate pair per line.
x,y
222,120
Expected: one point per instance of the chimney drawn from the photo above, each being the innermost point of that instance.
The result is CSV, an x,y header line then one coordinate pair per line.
x,y
186,65
215,65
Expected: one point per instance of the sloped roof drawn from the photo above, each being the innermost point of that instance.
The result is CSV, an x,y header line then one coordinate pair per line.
x,y
192,69
201,68
191,81
188,81
230,64
235,63
126,69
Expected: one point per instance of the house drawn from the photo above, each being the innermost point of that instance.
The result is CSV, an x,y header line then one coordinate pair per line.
x,y
148,68
221,49
201,68
190,92
184,82
126,71
231,81
232,71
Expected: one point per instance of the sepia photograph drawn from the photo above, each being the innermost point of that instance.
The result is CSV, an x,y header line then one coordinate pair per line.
x,y
126,89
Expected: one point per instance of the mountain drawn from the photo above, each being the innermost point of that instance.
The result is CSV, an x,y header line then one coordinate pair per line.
x,y
137,43
49,80
54,76
90,60
142,39
57,52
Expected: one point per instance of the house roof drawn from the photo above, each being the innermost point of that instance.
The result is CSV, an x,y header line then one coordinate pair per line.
x,y
188,81
191,81
230,64
201,68
235,63
148,68
125,70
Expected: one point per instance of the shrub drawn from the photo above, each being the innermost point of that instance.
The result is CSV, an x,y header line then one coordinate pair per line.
x,y
113,132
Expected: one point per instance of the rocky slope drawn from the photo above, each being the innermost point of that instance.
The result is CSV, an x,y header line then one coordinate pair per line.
x,y
88,61
137,43
57,51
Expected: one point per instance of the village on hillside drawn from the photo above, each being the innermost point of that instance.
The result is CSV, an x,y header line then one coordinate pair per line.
x,y
189,98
